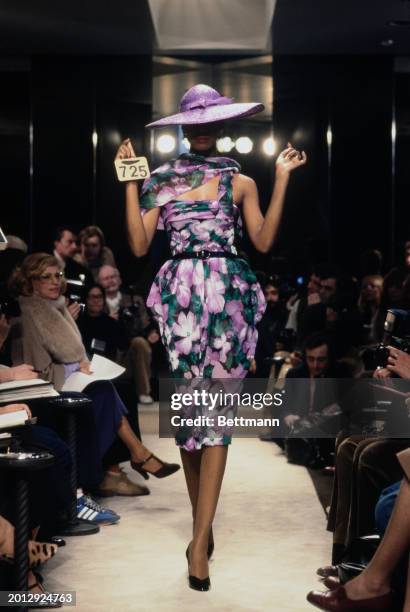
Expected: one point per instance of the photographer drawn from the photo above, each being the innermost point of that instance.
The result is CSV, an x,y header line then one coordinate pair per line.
x,y
312,393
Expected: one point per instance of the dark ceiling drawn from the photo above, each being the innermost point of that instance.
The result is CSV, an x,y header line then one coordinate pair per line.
x,y
104,27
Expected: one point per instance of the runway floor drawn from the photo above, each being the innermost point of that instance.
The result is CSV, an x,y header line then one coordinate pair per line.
x,y
269,539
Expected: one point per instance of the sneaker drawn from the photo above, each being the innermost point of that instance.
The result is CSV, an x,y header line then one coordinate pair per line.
x,y
89,510
115,483
146,399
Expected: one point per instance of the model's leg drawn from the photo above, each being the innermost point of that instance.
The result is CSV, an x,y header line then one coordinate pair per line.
x,y
213,463
375,579
191,462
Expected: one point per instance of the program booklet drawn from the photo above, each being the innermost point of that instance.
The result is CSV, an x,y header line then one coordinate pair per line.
x,y
101,368
17,391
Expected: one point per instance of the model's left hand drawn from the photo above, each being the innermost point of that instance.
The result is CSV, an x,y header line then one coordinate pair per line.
x,y
290,159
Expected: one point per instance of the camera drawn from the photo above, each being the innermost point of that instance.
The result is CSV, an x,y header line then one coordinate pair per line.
x,y
72,297
396,333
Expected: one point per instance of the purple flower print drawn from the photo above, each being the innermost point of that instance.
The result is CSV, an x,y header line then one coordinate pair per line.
x,y
200,231
185,270
240,284
218,265
221,343
165,196
215,290
186,329
198,276
173,359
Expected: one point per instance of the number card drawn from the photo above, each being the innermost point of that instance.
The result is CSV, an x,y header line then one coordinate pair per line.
x,y
132,168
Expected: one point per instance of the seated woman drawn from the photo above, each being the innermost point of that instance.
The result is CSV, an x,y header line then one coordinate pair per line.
x,y
101,333
47,337
110,336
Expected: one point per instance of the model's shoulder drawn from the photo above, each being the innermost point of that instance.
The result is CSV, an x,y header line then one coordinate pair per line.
x,y
244,183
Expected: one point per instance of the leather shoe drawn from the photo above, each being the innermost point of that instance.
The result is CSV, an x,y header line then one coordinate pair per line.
x,y
338,601
118,483
331,582
327,570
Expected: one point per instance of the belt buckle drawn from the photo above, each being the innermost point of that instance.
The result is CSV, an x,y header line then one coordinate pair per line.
x,y
204,254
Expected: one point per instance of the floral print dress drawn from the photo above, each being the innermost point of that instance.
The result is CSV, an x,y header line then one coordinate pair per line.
x,y
206,309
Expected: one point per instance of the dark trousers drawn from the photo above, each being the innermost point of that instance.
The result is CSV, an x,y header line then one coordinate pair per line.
x,y
364,467
49,489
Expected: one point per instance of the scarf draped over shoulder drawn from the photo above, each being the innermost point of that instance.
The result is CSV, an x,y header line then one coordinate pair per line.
x,y
186,173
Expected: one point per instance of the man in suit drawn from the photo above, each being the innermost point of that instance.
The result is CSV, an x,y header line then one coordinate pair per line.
x,y
65,247
316,391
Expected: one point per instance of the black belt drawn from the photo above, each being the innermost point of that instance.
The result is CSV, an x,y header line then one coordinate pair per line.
x,y
204,255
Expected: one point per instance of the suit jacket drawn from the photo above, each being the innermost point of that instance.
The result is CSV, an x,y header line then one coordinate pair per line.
x,y
73,269
298,390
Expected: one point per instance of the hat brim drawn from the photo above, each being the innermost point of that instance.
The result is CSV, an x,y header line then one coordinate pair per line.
x,y
210,114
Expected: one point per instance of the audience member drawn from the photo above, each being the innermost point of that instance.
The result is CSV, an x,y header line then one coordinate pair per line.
x,y
298,306
101,333
310,400
270,329
47,337
65,247
313,317
93,251
143,335
369,303
372,589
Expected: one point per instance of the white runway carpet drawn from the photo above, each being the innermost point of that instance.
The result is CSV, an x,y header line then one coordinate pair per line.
x,y
269,539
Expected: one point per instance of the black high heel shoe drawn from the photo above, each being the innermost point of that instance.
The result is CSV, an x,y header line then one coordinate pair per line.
x,y
166,469
198,584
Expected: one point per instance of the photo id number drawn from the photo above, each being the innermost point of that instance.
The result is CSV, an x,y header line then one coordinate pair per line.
x,y
132,169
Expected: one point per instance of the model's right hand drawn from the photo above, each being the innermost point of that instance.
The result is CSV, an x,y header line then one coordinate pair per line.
x,y
125,150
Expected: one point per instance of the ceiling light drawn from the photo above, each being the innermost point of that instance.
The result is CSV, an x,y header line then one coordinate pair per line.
x,y
388,42
225,145
269,146
244,145
166,143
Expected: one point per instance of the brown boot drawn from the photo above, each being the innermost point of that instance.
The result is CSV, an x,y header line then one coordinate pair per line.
x,y
118,483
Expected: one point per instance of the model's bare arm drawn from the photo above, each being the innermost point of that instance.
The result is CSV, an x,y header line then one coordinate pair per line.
x,y
263,230
140,229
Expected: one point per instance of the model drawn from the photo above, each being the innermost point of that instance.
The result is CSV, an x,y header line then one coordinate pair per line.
x,y
206,299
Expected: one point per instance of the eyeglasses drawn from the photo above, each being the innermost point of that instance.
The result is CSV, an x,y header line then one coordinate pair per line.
x,y
46,278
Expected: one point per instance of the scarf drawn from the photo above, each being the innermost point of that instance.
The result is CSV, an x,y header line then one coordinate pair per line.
x,y
181,175
55,327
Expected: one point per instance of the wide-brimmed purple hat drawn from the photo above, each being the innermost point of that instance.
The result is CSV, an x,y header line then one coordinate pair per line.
x,y
203,104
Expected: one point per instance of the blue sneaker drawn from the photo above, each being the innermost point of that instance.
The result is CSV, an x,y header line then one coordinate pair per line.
x,y
90,511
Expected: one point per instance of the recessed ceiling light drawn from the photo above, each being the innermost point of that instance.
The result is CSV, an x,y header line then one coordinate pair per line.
x,y
388,42
399,23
